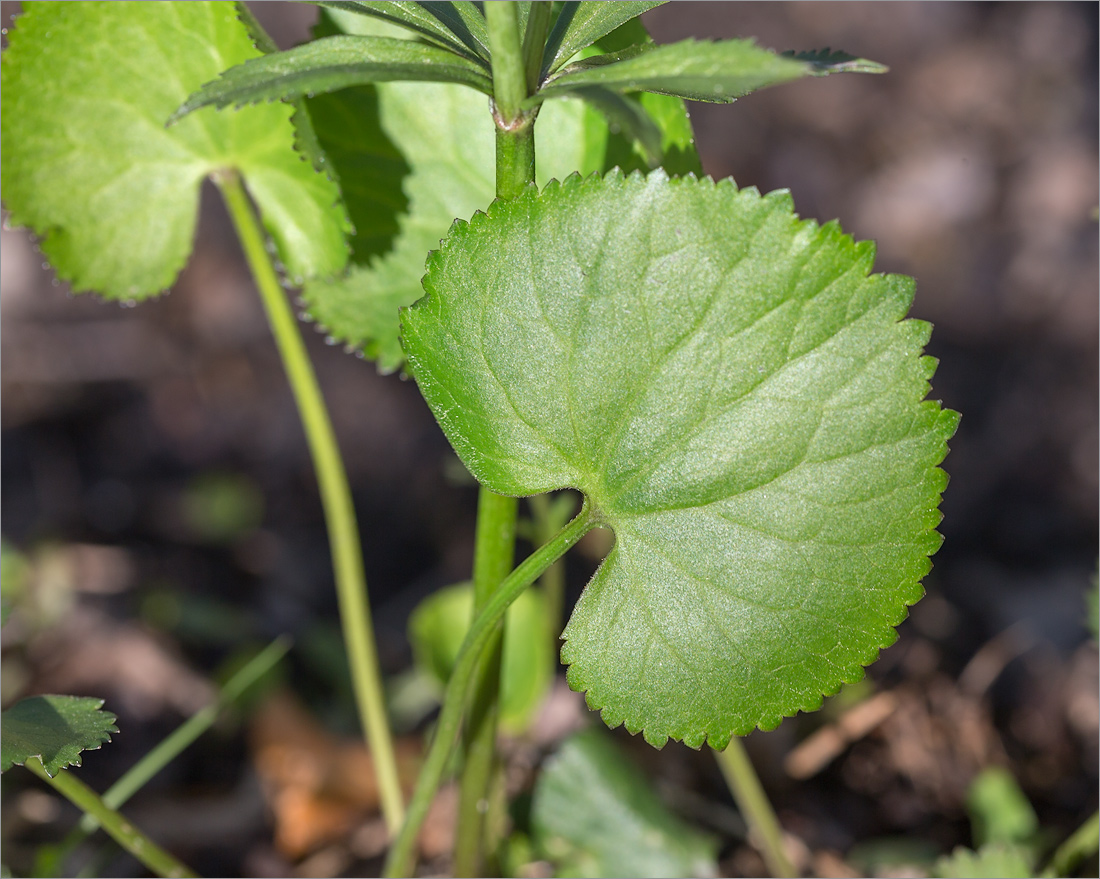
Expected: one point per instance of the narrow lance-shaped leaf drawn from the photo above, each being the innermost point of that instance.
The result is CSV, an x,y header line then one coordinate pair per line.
x,y
579,25
466,21
741,403
461,30
55,729
333,63
720,71
89,165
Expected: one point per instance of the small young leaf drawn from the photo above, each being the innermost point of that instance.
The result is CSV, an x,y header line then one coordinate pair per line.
x,y
579,25
55,729
333,63
439,623
993,861
459,27
740,402
89,165
720,71
445,170
595,814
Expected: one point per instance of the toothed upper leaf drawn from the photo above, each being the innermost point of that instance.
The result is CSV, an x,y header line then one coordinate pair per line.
x,y
718,71
54,729
741,403
333,63
89,164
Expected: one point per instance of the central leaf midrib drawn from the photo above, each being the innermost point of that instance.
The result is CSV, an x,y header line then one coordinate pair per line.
x,y
643,384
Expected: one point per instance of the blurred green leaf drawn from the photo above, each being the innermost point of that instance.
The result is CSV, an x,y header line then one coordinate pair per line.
x,y
220,507
999,810
14,570
595,814
994,861
438,626
54,729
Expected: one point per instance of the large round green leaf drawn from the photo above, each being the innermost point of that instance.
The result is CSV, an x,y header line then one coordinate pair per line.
x,y
742,404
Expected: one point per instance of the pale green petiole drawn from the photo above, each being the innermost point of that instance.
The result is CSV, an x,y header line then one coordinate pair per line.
x,y
757,810
347,558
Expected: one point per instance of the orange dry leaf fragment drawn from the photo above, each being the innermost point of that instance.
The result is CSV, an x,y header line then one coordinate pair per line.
x,y
319,786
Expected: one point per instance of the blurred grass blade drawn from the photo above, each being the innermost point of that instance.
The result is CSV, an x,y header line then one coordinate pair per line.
x,y
176,742
121,830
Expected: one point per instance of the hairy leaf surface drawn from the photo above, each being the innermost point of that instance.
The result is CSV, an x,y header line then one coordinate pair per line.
x,y
89,165
55,729
595,814
720,71
740,401
442,165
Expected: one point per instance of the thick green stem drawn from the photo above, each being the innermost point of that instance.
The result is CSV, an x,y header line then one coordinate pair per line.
x,y
764,830
121,830
332,480
509,76
496,521
402,854
1083,843
494,552
515,129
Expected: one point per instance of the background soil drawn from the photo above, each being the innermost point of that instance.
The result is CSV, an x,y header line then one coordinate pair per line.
x,y
973,163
